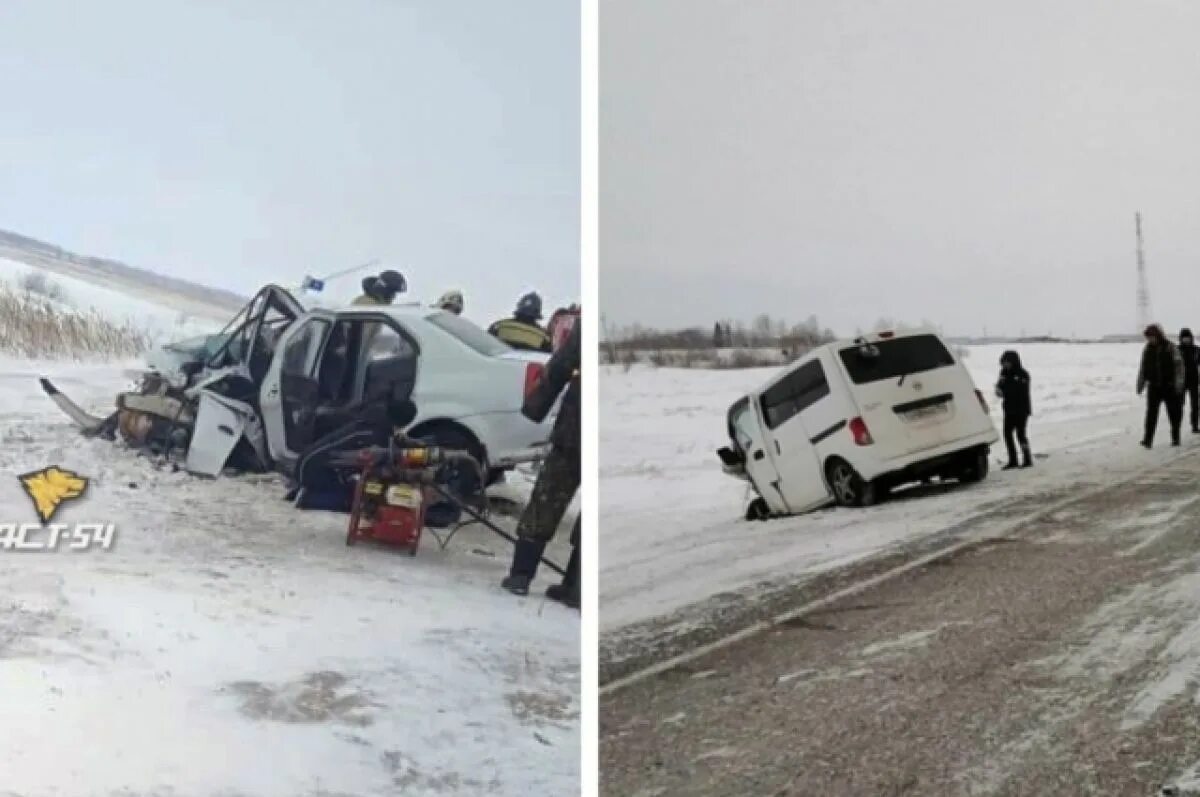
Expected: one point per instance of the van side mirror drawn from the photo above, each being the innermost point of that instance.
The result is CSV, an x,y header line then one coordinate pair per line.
x,y
401,412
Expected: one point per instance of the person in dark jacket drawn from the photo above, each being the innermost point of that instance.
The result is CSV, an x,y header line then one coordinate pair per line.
x,y
1191,375
559,477
1013,388
523,331
1161,377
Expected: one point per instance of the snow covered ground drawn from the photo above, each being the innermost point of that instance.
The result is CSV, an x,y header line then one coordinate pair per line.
x,y
672,533
232,645
159,317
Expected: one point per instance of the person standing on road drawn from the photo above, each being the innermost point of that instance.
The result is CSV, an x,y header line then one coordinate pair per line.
x,y
1013,388
1191,376
559,477
1161,376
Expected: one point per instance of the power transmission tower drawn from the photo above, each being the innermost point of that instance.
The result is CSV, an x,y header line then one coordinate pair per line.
x,y
1143,289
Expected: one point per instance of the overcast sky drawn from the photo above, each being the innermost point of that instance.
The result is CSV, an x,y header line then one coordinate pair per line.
x,y
239,142
976,164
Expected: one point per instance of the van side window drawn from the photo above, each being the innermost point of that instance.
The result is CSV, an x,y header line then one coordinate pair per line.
x,y
795,393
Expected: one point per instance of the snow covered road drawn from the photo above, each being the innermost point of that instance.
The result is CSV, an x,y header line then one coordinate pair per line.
x,y
1058,658
232,645
679,563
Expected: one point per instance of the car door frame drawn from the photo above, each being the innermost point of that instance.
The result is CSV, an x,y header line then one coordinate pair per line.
x,y
757,464
792,440
271,400
362,362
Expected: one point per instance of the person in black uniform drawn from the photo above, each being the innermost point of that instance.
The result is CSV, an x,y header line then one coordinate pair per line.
x,y
1013,388
559,477
1161,377
1191,375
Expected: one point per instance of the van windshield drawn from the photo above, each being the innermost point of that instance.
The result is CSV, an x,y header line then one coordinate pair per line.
x,y
738,421
892,359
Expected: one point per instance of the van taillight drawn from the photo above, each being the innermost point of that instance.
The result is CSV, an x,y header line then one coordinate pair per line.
x,y
533,374
862,435
983,402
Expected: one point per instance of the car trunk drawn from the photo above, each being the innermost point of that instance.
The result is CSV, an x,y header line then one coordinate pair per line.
x,y
911,394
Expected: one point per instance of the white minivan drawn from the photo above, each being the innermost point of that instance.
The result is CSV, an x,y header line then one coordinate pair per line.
x,y
850,420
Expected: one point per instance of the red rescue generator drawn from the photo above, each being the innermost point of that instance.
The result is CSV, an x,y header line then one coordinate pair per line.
x,y
388,508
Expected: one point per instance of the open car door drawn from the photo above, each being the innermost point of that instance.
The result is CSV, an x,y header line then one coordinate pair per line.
x,y
330,371
289,395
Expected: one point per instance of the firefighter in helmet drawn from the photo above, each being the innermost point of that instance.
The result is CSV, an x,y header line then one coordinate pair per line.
x,y
451,302
382,289
522,330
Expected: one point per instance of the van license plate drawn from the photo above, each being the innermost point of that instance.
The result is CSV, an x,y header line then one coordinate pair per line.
x,y
927,413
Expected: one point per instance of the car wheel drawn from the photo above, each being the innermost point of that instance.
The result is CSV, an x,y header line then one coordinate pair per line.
x,y
758,510
975,468
455,437
849,489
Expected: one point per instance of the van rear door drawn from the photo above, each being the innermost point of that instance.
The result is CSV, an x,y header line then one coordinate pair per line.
x,y
912,393
790,440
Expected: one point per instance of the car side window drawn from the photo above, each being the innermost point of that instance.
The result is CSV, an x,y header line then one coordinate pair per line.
x,y
387,342
299,355
795,393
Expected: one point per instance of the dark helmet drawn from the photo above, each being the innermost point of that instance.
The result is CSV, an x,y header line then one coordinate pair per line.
x,y
370,285
529,306
392,282
1185,334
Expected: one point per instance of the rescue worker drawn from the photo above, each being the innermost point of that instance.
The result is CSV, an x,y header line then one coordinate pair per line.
x,y
1191,375
558,480
1013,388
378,291
1161,376
382,289
451,302
523,331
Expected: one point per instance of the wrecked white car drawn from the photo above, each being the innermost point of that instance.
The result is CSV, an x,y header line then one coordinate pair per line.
x,y
278,378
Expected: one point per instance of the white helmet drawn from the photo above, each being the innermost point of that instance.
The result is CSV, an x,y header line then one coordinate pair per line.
x,y
451,301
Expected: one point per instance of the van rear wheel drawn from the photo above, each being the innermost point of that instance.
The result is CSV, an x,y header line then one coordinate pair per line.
x,y
974,468
849,489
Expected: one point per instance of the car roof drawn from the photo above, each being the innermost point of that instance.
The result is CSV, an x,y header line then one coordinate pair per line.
x,y
409,310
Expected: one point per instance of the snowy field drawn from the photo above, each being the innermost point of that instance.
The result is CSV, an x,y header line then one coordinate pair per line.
x,y
159,318
232,645
672,533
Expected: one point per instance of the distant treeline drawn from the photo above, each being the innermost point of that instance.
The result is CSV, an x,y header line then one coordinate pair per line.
x,y
763,332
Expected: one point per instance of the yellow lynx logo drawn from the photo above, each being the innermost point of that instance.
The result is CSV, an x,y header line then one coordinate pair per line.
x,y
49,488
